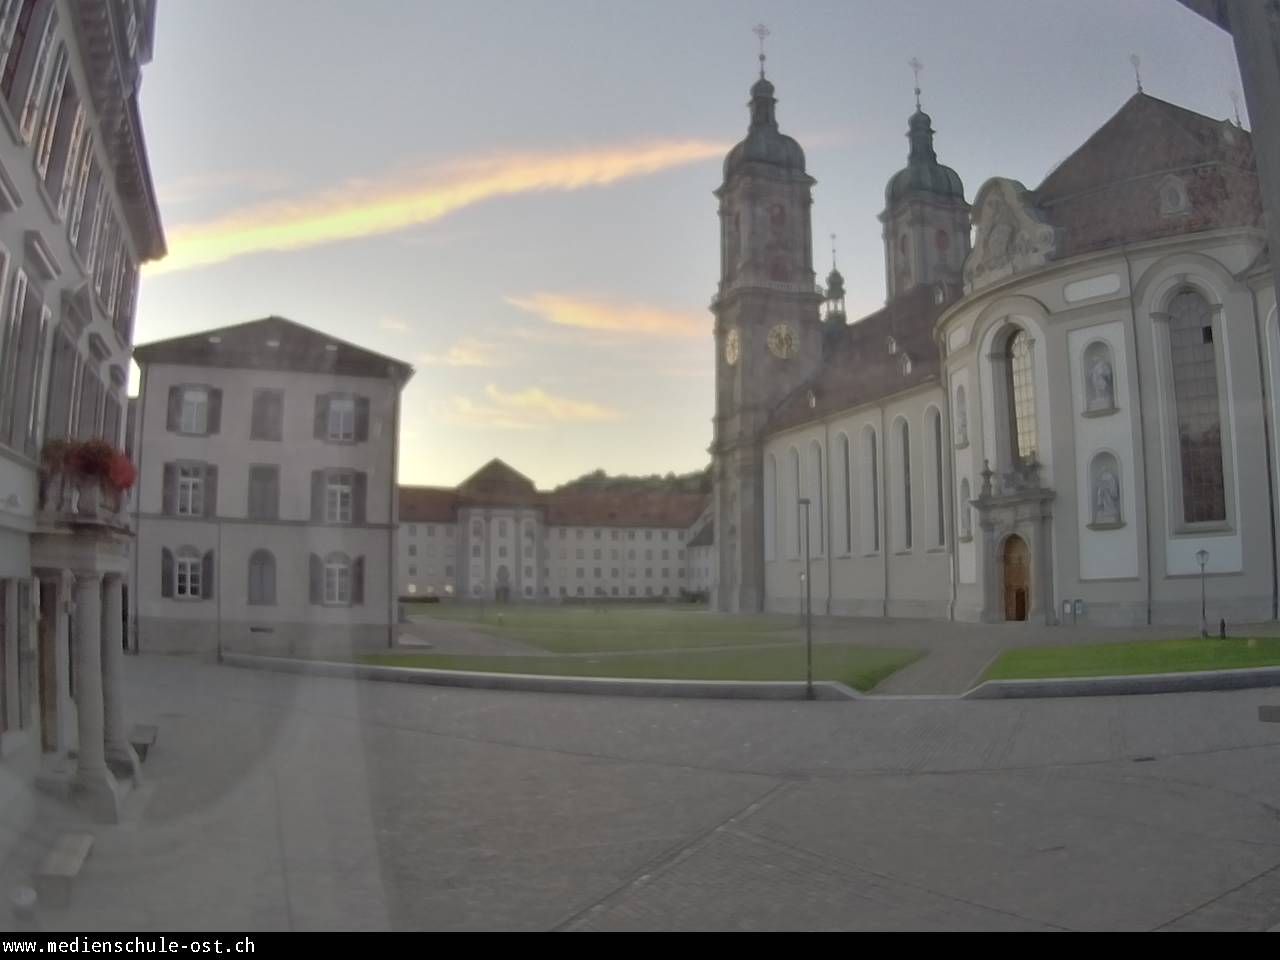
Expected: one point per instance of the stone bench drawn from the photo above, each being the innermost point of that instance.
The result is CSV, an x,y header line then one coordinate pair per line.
x,y
142,738
60,868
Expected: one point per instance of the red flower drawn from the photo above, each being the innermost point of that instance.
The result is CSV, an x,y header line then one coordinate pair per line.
x,y
122,473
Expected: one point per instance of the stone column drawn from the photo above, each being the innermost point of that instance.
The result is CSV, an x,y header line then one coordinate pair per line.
x,y
94,784
120,755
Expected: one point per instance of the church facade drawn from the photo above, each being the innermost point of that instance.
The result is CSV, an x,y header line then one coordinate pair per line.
x,y
1065,409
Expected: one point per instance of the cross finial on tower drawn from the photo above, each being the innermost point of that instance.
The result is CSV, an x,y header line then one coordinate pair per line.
x,y
1137,69
833,251
761,31
1235,102
916,66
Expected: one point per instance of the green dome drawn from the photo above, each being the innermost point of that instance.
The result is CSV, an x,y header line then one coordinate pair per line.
x,y
923,173
764,143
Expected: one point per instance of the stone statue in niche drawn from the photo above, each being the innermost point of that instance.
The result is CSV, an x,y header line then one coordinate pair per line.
x,y
1101,393
1106,496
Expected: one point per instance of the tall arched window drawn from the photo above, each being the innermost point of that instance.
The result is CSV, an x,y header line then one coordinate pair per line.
x,y
871,502
937,508
846,492
793,524
1195,393
770,506
817,515
904,472
262,578
1022,397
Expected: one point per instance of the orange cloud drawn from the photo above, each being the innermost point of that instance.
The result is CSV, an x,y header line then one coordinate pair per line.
x,y
527,409
630,318
362,209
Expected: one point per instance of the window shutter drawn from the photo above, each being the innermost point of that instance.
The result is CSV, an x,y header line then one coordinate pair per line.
x,y
357,582
272,506
210,505
359,493
214,422
362,418
166,572
322,416
317,496
206,575
169,499
317,579
175,409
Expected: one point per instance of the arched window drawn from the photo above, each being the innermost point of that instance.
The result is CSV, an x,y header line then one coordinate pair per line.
x,y
1022,397
1195,392
770,506
937,526
845,502
262,578
903,513
966,511
871,502
817,515
796,487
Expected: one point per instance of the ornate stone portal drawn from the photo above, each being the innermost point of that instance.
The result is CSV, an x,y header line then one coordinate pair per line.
x,y
1016,518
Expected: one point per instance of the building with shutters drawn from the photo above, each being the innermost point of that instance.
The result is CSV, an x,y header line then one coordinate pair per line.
x,y
77,216
266,501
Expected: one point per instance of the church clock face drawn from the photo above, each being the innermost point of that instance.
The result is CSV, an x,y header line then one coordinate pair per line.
x,y
782,342
732,347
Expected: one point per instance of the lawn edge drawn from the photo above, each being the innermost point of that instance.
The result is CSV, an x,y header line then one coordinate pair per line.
x,y
1127,684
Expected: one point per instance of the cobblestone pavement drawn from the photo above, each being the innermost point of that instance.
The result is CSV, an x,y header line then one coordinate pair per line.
x,y
280,801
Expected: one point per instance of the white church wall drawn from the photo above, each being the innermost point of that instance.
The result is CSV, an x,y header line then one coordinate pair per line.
x,y
964,469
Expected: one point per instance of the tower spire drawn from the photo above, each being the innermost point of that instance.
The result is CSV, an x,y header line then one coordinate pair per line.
x,y
1137,69
916,66
761,31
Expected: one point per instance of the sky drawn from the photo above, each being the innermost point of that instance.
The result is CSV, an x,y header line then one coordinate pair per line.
x,y
516,197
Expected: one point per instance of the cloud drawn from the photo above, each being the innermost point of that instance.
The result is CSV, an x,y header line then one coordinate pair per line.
x,y
528,409
365,208
465,353
394,324
583,313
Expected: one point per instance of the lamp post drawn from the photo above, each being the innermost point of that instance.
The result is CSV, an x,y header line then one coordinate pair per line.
x,y
808,607
1202,558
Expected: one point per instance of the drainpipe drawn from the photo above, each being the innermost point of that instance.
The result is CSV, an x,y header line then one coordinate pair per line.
x,y
138,449
884,510
1142,430
950,474
1259,322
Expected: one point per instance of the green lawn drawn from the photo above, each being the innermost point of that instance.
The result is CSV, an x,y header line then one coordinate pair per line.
x,y
1147,656
859,667
614,628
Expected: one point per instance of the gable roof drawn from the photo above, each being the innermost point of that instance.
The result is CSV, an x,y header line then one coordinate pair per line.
x,y
428,505
624,509
1145,136
497,482
249,345
858,367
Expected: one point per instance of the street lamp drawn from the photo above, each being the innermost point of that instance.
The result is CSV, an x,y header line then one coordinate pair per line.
x,y
808,606
1202,557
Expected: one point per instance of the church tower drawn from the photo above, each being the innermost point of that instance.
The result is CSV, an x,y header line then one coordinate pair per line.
x,y
767,332
926,219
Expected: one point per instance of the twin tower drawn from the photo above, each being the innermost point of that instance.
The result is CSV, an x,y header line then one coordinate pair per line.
x,y
769,333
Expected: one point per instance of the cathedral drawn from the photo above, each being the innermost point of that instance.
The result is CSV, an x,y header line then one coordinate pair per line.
x,y
1064,411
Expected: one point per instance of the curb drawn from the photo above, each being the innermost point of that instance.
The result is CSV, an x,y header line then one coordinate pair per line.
x,y
1126,686
539,683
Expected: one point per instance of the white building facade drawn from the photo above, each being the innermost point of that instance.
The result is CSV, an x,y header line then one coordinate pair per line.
x,y
77,217
267,497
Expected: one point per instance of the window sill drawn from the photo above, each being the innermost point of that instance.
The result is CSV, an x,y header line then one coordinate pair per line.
x,y
1100,412
1210,528
962,445
941,549
1107,525
903,553
966,538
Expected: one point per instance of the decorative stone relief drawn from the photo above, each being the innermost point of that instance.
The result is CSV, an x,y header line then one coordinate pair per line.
x,y
1099,380
1105,489
1012,235
1174,201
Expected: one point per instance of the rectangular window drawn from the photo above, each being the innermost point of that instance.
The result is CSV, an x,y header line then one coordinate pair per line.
x,y
475,550
264,492
194,417
342,418
187,583
448,570
338,498
268,415
413,550
190,491
413,570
